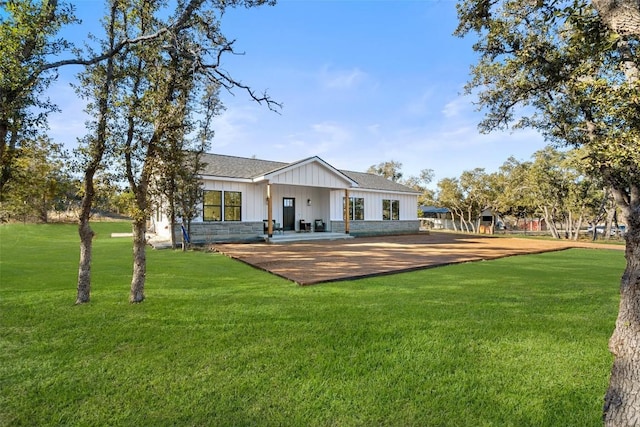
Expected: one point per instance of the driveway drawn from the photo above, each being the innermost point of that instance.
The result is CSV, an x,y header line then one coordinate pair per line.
x,y
308,263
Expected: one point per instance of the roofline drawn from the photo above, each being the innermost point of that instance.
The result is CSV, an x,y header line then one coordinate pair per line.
x,y
314,159
225,178
377,190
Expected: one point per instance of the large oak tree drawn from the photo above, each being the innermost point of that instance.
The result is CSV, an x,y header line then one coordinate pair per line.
x,y
29,37
156,82
570,69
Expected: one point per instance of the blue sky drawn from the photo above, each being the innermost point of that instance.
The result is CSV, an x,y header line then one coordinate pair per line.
x,y
361,82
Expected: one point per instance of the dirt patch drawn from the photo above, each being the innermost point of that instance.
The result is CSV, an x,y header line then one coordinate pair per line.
x,y
308,263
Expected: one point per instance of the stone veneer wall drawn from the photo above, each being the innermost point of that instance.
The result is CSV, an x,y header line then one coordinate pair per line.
x,y
211,232
377,228
224,231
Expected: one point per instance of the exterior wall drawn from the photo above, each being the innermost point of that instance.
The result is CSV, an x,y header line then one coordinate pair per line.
x,y
373,204
253,197
310,175
377,228
254,209
219,231
317,208
319,196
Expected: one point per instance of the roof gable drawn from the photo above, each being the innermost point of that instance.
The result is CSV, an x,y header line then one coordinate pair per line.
x,y
312,171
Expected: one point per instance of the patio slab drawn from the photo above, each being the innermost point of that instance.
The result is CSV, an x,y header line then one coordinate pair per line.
x,y
314,262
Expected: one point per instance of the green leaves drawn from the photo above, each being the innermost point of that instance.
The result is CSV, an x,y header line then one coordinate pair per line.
x,y
27,30
562,68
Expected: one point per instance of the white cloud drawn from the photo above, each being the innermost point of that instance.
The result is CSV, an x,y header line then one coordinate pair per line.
x,y
457,107
234,125
342,79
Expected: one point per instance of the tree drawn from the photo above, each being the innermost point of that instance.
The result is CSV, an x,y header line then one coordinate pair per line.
x,y
476,193
190,190
513,195
163,80
548,187
153,103
419,183
27,31
450,196
40,180
97,83
465,197
570,69
584,194
152,66
390,170
180,186
179,183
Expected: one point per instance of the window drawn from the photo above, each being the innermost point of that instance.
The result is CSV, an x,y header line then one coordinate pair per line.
x,y
232,206
212,209
212,206
356,208
390,210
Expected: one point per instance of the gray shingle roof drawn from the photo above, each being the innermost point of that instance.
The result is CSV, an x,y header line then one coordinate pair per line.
x,y
377,182
246,168
238,167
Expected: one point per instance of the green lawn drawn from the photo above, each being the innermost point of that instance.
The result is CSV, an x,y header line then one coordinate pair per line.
x,y
518,341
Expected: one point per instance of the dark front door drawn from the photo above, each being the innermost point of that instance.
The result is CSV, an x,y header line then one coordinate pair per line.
x,y
288,213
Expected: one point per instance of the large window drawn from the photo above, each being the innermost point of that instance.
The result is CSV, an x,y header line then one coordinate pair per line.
x,y
356,208
390,209
232,206
214,210
212,206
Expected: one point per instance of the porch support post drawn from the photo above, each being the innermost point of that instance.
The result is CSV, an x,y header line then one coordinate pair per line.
x,y
346,211
269,212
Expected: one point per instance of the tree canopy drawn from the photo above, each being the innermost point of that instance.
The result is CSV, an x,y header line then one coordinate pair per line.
x,y
570,69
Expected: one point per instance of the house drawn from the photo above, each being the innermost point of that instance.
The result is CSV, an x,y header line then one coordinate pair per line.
x,y
241,195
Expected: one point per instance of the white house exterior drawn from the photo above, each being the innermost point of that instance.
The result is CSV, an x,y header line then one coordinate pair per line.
x,y
241,193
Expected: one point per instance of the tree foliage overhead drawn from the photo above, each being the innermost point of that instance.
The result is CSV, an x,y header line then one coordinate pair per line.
x,y
389,170
571,70
556,66
28,32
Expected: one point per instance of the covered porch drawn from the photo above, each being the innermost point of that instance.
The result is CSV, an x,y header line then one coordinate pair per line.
x,y
301,197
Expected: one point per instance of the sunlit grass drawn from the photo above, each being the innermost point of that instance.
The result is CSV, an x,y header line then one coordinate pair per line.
x,y
518,341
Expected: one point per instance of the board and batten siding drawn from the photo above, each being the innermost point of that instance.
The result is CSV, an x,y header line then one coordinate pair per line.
x,y
317,209
311,175
254,205
253,197
373,204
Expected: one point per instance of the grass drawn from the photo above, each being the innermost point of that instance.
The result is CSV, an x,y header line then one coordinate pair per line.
x,y
520,341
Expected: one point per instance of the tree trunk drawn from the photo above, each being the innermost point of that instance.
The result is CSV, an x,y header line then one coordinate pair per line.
x,y
172,221
84,269
622,400
139,261
86,235
97,149
548,218
576,231
611,213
